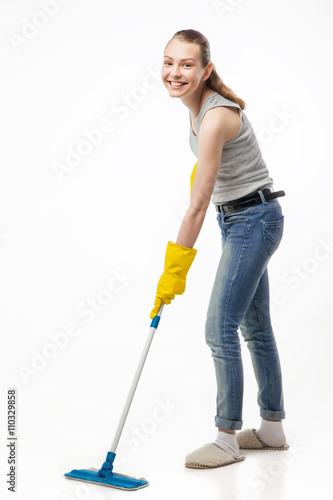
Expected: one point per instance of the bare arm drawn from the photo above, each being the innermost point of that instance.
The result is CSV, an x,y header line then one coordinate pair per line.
x,y
211,141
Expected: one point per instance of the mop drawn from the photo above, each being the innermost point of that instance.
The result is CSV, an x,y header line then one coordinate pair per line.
x,y
105,475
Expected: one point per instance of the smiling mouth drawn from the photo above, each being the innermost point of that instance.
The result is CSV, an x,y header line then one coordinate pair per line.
x,y
177,84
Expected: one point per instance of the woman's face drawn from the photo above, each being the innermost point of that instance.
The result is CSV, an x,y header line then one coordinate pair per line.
x,y
182,72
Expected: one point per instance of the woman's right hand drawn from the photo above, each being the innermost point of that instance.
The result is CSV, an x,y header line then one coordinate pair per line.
x,y
178,261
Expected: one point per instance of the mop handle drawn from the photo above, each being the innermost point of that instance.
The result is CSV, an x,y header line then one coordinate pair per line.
x,y
153,326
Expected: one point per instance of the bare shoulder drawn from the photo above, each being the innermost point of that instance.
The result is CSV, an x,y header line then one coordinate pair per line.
x,y
225,119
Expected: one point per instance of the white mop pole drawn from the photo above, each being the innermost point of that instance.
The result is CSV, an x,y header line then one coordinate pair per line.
x,y
134,384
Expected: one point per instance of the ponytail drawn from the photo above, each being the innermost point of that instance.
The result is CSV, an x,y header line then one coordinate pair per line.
x,y
215,83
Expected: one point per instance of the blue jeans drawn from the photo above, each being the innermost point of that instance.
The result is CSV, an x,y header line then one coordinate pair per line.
x,y
240,300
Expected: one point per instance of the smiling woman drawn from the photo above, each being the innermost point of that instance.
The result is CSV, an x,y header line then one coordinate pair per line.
x,y
180,72
230,170
195,54
171,70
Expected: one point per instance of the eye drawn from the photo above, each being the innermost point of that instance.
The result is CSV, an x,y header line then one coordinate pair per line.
x,y
188,65
167,63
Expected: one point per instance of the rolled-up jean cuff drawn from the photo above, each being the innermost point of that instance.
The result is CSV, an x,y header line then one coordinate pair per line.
x,y
278,415
228,425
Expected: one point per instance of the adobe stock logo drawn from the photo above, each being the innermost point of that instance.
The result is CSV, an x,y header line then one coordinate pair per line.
x,y
280,120
310,264
31,27
224,8
91,139
56,342
143,431
298,273
265,476
162,411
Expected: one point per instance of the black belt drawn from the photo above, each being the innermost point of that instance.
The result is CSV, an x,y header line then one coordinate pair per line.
x,y
250,200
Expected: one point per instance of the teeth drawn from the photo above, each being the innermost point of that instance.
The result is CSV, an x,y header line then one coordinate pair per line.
x,y
177,84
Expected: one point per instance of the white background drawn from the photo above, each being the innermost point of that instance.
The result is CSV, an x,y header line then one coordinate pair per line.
x,y
63,239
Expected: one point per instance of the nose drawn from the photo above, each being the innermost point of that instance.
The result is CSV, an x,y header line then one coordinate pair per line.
x,y
175,72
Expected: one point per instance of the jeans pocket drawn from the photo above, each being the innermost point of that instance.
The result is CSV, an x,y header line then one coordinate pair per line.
x,y
232,217
272,233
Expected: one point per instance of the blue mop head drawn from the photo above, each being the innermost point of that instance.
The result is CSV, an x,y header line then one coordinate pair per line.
x,y
106,477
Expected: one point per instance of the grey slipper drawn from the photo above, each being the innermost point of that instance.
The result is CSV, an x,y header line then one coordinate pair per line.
x,y
249,440
210,456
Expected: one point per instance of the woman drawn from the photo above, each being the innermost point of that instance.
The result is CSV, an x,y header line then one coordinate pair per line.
x,y
231,171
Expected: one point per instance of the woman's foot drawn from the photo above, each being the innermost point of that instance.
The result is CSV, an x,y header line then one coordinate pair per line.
x,y
228,442
249,439
272,433
210,456
224,451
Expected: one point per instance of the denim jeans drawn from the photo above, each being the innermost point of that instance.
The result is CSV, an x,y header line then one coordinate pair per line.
x,y
240,300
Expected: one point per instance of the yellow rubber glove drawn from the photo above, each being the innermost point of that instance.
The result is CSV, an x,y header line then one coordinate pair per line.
x,y
192,176
178,261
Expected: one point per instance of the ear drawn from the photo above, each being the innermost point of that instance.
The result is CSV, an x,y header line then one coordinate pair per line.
x,y
208,70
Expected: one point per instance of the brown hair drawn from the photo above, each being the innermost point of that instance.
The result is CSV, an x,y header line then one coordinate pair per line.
x,y
214,81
